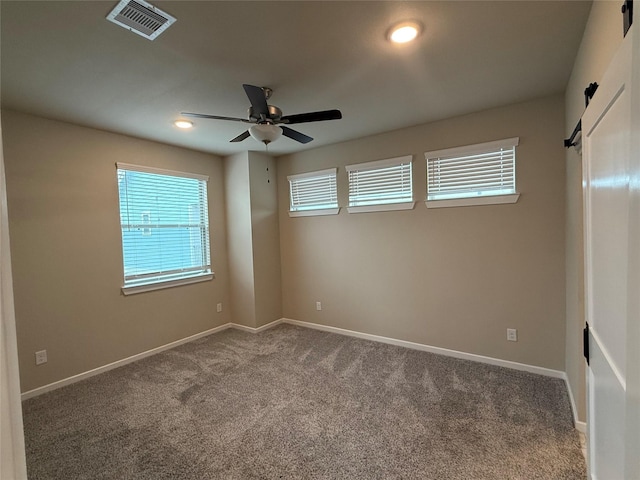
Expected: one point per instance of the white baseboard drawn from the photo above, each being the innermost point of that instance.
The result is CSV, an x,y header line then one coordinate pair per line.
x,y
428,348
580,426
139,356
256,330
366,336
119,363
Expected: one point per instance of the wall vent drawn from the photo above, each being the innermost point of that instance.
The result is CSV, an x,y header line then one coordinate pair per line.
x,y
141,17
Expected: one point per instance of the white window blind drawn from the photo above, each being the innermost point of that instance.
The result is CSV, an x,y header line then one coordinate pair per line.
x,y
486,169
382,182
165,225
314,192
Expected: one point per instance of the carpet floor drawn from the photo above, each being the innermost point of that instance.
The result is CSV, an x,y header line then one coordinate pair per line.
x,y
297,403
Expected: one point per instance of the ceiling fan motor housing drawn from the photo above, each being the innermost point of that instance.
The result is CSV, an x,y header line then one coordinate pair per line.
x,y
266,119
274,115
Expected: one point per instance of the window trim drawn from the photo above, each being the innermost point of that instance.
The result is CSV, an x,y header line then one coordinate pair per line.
x,y
315,213
164,283
471,201
312,212
160,171
382,207
150,287
469,150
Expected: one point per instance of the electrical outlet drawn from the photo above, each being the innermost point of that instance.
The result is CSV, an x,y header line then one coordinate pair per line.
x,y
512,334
219,308
41,357
318,306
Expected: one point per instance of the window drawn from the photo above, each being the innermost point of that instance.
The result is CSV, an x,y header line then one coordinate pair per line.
x,y
472,175
381,185
313,193
165,228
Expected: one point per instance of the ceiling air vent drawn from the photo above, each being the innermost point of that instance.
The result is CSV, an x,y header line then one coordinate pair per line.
x,y
141,17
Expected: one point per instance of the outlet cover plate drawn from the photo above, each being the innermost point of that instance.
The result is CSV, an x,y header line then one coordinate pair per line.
x,y
41,357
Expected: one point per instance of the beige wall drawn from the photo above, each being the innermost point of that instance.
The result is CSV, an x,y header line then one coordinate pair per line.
x,y
240,242
452,277
399,274
253,235
265,234
602,36
66,249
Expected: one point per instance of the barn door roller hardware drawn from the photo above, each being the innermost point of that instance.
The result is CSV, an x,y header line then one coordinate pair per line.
x,y
627,21
627,16
574,139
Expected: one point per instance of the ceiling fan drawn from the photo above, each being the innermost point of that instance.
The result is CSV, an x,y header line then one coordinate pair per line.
x,y
268,121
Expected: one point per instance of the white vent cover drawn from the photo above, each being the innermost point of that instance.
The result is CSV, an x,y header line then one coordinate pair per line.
x,y
141,17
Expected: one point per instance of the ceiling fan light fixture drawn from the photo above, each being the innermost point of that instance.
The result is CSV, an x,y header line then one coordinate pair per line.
x,y
404,32
265,132
184,124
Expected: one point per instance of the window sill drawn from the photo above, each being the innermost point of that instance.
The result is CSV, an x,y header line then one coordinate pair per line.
x,y
386,207
313,213
162,285
471,201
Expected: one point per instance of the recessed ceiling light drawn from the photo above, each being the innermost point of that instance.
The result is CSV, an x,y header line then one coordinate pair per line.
x,y
404,32
183,124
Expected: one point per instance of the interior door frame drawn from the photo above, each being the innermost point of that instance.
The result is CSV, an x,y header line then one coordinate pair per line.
x,y
632,413
630,380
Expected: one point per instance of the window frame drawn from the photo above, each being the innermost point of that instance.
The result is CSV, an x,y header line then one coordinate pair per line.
x,y
169,280
312,211
379,165
469,150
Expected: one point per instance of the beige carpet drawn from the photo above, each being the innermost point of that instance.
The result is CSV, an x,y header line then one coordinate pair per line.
x,y
297,403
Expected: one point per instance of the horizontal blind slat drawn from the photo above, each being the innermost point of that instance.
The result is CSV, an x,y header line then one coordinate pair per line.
x,y
481,172
313,192
165,226
469,165
479,157
382,185
452,180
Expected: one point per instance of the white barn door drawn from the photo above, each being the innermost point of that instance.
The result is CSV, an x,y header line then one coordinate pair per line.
x,y
612,220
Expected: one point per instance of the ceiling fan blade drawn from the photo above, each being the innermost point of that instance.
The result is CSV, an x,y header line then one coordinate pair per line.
x,y
240,137
294,135
214,117
257,99
312,117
